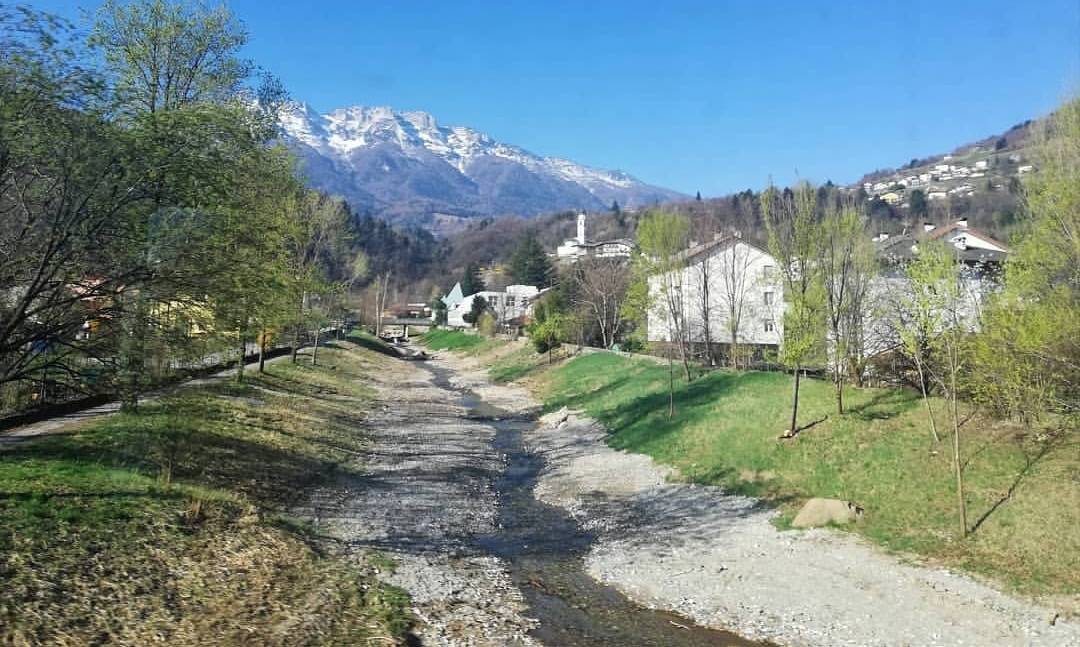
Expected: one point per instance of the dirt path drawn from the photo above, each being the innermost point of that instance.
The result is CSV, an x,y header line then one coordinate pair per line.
x,y
717,559
70,421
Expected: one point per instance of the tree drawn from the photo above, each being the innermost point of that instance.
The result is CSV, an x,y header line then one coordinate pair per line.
x,y
601,285
530,265
919,207
65,199
922,315
547,334
1028,358
698,196
734,282
936,281
847,266
177,83
661,238
791,220
472,282
166,55
479,306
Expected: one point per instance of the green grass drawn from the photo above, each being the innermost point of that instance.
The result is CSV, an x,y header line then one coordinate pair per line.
x,y
456,340
521,363
171,521
371,342
878,454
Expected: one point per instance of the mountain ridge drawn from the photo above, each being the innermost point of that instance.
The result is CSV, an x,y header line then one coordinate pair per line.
x,y
404,165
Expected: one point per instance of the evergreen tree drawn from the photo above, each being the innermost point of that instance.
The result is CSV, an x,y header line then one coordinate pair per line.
x,y
479,307
615,209
919,208
530,265
472,282
698,197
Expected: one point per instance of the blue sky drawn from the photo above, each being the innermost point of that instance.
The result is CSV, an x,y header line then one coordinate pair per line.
x,y
710,96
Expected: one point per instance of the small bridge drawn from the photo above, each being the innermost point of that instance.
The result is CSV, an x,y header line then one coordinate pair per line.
x,y
403,323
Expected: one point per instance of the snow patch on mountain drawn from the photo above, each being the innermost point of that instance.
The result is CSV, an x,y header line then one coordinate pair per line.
x,y
343,134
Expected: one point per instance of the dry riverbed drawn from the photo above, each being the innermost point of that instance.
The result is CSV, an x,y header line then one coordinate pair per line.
x,y
716,558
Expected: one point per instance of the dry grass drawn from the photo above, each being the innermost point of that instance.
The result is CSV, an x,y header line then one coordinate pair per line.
x,y
171,524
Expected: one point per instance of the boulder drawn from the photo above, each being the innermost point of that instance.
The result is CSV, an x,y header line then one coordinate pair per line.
x,y
822,512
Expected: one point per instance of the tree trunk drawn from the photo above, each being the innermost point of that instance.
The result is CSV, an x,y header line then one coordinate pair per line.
x,y
315,348
262,352
926,400
299,326
240,360
671,386
794,429
961,504
839,392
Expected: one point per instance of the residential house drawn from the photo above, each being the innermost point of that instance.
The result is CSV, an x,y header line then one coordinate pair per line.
x,y
514,302
981,256
727,269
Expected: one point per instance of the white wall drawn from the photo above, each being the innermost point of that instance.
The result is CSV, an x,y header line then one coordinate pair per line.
x,y
757,280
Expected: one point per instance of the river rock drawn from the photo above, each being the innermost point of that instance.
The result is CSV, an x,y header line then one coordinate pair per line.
x,y
821,512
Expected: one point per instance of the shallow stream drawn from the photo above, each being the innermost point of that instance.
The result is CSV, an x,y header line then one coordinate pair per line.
x,y
545,549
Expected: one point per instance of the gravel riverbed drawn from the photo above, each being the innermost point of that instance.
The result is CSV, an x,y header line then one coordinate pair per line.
x,y
427,492
717,559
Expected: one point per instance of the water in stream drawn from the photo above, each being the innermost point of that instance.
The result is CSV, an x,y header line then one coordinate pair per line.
x,y
545,549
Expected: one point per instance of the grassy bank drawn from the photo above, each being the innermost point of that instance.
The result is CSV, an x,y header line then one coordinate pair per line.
x,y
455,340
171,524
878,454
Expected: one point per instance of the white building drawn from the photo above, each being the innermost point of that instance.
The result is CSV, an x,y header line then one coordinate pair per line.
x,y
574,248
982,260
515,301
729,270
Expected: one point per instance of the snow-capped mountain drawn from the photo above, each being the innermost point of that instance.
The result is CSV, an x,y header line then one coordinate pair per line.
x,y
405,164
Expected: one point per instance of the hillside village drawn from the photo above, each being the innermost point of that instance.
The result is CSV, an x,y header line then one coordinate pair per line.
x,y
992,165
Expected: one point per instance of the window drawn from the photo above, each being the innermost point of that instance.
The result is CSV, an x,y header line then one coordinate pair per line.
x,y
769,327
767,271
768,298
510,301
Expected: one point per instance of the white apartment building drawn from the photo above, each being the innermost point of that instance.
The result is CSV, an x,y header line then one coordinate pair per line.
x,y
728,270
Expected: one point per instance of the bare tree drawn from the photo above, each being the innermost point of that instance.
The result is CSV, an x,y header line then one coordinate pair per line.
x,y
601,289
700,275
734,283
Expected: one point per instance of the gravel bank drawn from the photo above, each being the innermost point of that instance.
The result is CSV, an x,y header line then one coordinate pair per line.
x,y
717,559
425,493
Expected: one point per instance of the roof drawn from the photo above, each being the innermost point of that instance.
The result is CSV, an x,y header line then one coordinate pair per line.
x,y
454,296
704,249
941,232
899,248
